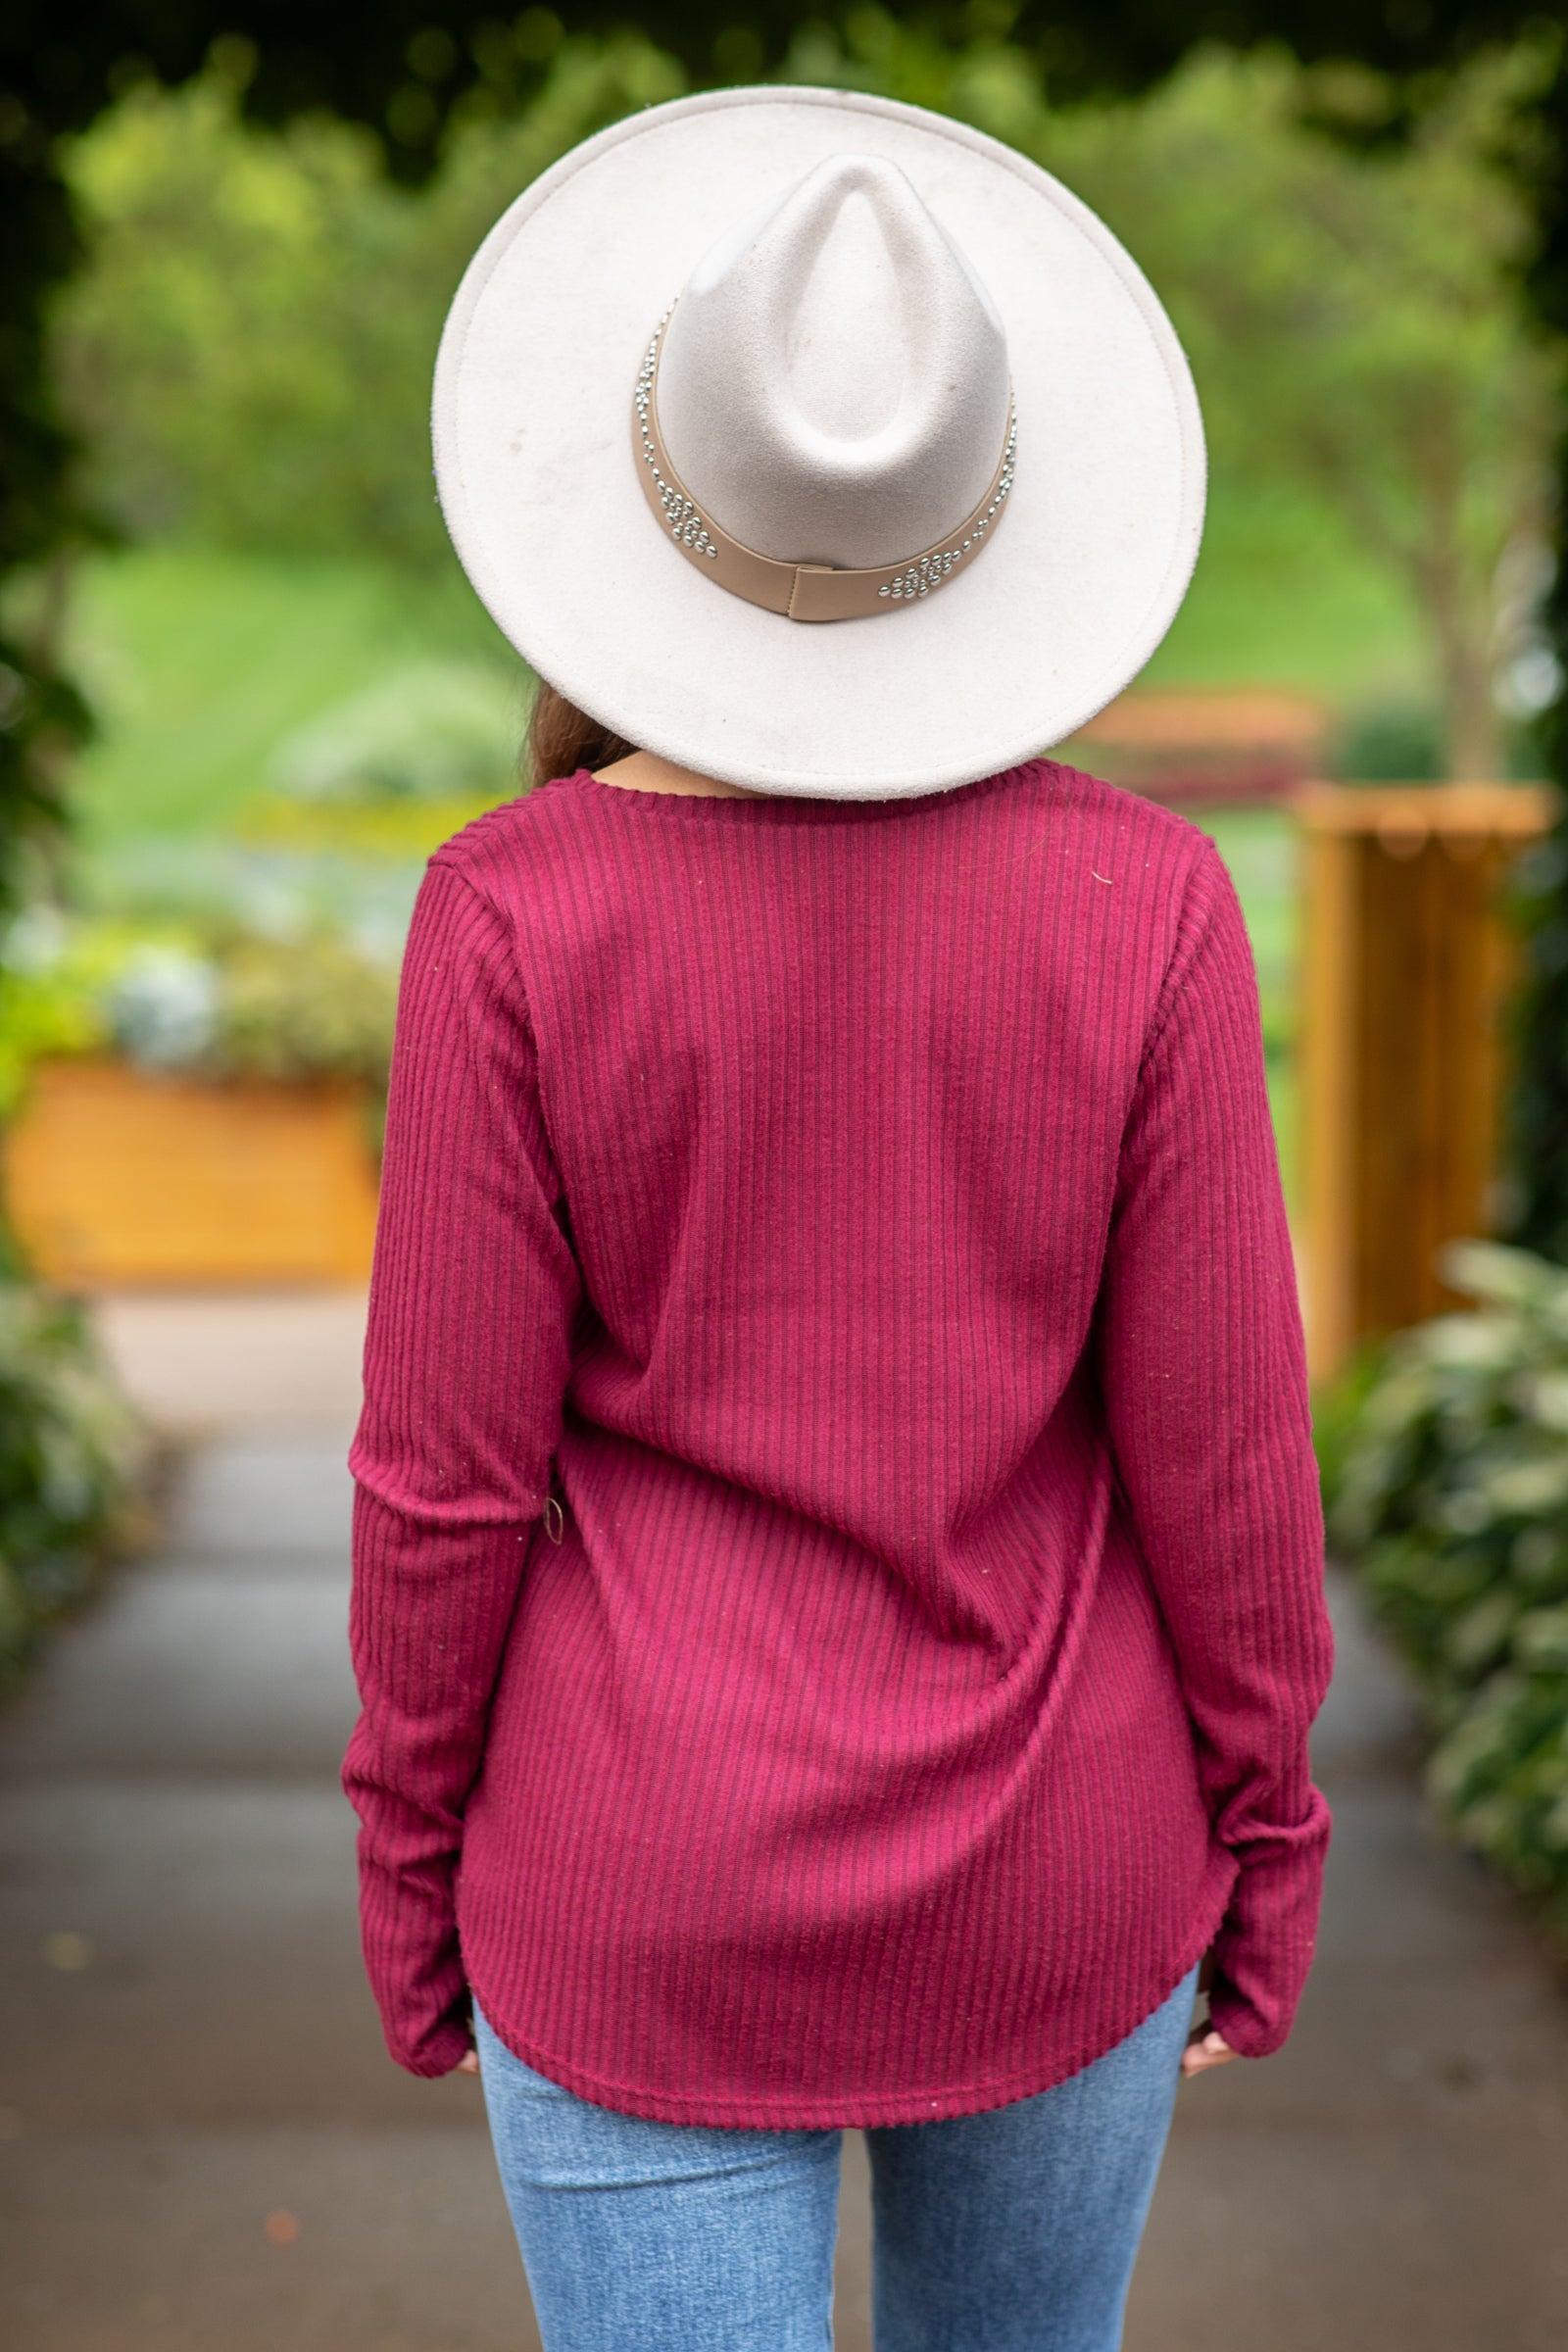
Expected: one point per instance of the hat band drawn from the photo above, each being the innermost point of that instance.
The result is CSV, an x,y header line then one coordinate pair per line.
x,y
801,591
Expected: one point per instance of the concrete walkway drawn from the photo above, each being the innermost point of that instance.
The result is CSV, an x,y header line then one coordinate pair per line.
x,y
204,2149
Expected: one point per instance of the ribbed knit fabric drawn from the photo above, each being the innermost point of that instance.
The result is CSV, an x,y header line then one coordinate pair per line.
x,y
864,1218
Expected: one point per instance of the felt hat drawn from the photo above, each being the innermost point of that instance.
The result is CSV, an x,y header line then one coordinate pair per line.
x,y
817,442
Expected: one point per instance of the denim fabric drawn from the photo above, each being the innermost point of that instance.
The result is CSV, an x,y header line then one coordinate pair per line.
x,y
1012,2230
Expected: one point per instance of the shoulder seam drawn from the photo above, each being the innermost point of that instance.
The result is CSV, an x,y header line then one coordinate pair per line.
x,y
505,941
520,996
474,839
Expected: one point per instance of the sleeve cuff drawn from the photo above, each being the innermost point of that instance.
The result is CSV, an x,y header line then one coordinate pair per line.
x,y
436,2053
1249,2034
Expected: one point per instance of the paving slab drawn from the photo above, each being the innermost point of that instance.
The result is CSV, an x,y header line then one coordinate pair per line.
x,y
205,1361
202,2144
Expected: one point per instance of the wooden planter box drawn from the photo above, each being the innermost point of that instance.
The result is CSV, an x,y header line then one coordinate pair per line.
x,y
117,1177
1207,745
1410,960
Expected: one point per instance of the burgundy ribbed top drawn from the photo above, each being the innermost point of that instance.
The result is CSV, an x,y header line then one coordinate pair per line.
x,y
864,1220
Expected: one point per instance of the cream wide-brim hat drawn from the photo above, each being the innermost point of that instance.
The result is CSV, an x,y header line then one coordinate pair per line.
x,y
536,463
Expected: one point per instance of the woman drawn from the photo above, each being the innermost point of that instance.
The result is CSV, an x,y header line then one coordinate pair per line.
x,y
837,1561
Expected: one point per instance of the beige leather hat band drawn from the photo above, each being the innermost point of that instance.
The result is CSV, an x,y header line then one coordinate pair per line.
x,y
800,591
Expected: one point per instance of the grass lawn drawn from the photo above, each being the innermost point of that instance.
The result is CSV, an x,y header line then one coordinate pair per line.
x,y
1259,846
201,663
1280,599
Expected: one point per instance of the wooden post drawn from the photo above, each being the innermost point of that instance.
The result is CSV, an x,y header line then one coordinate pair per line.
x,y
1409,960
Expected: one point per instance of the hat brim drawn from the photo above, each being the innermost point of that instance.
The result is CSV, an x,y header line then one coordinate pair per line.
x,y
537,478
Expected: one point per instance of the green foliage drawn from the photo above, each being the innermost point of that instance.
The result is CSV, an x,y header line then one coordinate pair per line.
x,y
404,73
1356,337
432,731
70,1455
1447,1483
215,1003
236,357
1401,738
1539,1110
1393,738
303,1009
1536,1190
1337,1407
205,662
1352,305
407,70
1356,331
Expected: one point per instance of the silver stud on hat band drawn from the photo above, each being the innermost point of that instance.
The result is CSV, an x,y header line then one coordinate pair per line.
x,y
929,571
801,591
681,512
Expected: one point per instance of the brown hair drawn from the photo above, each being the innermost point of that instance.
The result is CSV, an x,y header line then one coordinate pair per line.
x,y
561,739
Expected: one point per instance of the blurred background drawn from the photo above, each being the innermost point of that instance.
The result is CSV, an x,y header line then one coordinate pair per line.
x,y
244,692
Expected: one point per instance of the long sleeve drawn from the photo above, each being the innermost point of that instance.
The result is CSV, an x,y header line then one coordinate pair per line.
x,y
472,1292
1203,1374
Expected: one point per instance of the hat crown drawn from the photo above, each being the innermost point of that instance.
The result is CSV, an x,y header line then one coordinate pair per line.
x,y
834,377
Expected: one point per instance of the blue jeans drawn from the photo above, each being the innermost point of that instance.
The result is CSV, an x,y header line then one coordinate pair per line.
x,y
1013,2230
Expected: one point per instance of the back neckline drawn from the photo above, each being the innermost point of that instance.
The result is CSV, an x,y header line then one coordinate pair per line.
x,y
789,808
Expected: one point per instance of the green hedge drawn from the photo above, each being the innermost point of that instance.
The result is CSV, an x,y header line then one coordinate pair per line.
x,y
1446,1476
71,1455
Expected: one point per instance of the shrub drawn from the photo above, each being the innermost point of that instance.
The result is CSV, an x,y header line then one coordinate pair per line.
x,y
215,1001
1402,739
1398,740
1446,1486
70,1453
317,1007
432,731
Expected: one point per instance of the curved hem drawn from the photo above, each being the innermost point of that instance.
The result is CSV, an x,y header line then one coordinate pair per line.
x,y
869,2110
